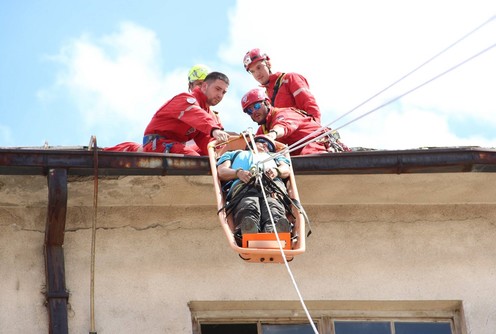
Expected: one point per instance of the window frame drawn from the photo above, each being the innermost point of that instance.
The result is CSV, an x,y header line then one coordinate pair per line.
x,y
325,312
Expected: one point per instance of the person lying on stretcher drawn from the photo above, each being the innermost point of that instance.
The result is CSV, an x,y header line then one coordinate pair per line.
x,y
244,197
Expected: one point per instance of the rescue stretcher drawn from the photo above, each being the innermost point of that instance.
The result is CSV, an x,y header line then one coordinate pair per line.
x,y
259,247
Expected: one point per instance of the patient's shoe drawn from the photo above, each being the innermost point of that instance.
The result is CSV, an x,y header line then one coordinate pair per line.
x,y
282,225
248,225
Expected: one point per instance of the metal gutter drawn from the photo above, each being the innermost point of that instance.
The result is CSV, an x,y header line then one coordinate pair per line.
x,y
80,162
431,160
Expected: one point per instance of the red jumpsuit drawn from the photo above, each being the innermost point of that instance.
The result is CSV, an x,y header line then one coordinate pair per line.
x,y
296,126
293,92
186,116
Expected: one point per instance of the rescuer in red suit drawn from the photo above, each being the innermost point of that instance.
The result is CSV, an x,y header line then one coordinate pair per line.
x,y
286,125
188,116
283,89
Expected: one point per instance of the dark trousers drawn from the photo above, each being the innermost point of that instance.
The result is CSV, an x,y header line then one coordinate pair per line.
x,y
251,213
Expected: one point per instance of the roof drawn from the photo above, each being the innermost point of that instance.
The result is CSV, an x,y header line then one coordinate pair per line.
x,y
81,161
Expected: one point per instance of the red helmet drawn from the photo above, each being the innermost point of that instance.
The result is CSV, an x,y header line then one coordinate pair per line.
x,y
254,95
253,56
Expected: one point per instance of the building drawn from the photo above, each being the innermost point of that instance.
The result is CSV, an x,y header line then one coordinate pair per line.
x,y
402,242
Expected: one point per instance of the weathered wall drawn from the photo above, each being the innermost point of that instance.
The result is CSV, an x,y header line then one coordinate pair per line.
x,y
159,245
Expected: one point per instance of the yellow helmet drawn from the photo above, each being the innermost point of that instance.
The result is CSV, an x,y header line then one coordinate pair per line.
x,y
198,72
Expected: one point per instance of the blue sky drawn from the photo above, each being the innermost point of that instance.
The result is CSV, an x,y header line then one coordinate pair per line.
x,y
69,70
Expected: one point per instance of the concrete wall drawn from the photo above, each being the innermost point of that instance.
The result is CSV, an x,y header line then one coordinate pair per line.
x,y
159,245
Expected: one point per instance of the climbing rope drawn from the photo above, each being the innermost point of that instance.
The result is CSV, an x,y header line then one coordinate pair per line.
x,y
93,233
415,69
304,141
258,174
279,243
325,130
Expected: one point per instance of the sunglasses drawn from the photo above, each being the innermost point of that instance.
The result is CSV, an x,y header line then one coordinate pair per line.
x,y
256,106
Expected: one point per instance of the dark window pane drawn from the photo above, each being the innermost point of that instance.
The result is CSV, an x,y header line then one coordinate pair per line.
x,y
287,329
422,328
229,329
362,327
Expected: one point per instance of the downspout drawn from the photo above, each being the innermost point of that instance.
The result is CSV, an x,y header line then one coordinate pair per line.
x,y
56,293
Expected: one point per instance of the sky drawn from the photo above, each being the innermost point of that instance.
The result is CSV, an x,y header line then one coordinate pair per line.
x,y
387,74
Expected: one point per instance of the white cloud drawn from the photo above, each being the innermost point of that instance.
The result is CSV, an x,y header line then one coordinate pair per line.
x,y
351,50
348,50
115,81
5,134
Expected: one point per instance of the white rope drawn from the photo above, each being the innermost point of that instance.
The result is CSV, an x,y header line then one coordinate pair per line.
x,y
93,144
302,302
414,70
258,176
305,140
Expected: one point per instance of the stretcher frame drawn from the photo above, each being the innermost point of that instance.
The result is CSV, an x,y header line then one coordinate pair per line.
x,y
292,243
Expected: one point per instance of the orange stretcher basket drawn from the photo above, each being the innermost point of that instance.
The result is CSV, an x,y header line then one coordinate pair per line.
x,y
258,247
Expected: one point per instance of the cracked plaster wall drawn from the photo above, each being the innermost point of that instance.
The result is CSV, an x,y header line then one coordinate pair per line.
x,y
159,245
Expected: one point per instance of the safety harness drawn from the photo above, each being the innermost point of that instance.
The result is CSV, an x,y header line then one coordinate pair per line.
x,y
270,186
276,89
330,141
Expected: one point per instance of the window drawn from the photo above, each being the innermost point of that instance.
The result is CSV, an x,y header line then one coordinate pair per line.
x,y
229,328
392,327
287,329
330,317
362,327
255,328
422,327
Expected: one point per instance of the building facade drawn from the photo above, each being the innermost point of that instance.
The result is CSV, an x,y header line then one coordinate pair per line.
x,y
388,253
